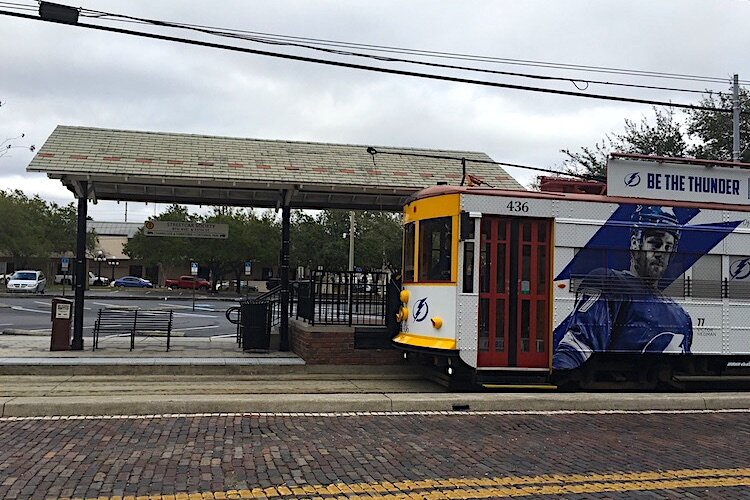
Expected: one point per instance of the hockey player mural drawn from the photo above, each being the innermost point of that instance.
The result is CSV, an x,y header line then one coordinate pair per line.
x,y
625,310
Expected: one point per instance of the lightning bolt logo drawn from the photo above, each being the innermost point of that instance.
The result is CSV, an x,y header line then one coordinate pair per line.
x,y
632,180
740,269
421,310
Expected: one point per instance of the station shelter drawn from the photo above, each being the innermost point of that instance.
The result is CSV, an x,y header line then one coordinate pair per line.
x,y
138,166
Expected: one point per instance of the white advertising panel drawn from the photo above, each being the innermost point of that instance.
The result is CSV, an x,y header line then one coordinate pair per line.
x,y
678,181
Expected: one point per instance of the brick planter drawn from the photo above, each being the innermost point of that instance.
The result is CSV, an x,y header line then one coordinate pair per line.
x,y
334,345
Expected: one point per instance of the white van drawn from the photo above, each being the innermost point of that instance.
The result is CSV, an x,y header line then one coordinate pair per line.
x,y
27,281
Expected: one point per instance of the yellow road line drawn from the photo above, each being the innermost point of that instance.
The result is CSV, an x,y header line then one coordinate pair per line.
x,y
495,487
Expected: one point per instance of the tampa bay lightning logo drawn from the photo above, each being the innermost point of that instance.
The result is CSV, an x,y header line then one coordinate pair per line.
x,y
421,310
740,269
632,180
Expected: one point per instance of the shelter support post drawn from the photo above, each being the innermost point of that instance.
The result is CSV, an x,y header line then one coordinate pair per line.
x,y
80,277
284,325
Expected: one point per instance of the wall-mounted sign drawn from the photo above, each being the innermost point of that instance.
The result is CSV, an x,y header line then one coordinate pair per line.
x,y
185,229
678,181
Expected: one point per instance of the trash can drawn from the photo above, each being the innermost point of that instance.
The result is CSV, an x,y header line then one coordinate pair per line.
x,y
256,332
62,313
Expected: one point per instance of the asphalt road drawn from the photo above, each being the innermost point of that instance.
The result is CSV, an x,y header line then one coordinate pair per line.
x,y
208,318
418,455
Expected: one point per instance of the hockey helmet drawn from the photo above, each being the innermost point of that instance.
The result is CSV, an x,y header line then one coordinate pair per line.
x,y
654,218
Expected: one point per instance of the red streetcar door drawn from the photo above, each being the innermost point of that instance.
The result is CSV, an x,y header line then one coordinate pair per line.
x,y
514,292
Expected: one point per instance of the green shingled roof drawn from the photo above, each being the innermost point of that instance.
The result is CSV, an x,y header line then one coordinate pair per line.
x,y
185,168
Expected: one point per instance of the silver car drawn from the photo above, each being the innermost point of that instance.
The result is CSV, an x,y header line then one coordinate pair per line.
x,y
27,281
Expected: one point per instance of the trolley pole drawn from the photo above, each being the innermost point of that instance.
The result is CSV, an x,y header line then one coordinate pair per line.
x,y
736,119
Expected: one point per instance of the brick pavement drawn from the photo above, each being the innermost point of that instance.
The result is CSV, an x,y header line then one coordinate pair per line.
x,y
491,455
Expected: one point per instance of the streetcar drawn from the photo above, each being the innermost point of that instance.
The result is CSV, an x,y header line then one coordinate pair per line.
x,y
646,286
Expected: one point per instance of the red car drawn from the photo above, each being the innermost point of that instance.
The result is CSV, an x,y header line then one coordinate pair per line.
x,y
189,282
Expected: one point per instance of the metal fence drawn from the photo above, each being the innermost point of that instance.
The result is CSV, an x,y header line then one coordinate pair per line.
x,y
332,298
342,298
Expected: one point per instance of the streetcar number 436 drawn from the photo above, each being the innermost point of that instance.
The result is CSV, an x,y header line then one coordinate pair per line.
x,y
517,206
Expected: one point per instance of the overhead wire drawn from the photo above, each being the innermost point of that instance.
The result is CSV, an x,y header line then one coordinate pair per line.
x,y
285,40
452,55
391,71
232,34
288,40
374,151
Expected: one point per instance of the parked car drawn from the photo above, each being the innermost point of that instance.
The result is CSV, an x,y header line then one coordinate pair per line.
x,y
132,282
61,279
232,285
188,282
94,280
98,280
27,281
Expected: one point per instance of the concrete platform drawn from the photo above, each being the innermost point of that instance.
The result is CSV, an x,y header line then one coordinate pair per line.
x,y
24,354
211,375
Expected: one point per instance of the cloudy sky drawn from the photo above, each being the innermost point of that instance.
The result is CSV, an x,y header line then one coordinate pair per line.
x,y
54,74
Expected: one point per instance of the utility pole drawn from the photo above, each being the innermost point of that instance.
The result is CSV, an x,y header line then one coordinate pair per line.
x,y
736,119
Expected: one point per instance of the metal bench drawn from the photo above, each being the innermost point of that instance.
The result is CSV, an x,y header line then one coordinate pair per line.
x,y
130,322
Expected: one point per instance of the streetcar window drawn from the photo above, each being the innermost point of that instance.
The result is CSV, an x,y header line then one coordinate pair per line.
x,y
706,282
435,249
677,288
738,284
409,252
468,272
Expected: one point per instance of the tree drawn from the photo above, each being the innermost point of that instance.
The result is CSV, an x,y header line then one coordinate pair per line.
x,y
10,142
320,240
34,230
713,131
23,235
378,240
323,239
663,137
251,238
162,250
705,134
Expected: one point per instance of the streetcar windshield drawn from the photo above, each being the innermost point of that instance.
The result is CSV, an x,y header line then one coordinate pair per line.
x,y
435,249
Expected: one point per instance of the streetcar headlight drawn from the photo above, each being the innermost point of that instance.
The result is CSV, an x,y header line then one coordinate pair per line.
x,y
404,296
437,322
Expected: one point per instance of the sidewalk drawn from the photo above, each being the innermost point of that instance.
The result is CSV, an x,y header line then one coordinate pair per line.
x,y
211,375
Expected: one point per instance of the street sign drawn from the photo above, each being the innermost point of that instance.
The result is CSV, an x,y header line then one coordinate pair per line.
x,y
64,263
248,267
185,229
194,268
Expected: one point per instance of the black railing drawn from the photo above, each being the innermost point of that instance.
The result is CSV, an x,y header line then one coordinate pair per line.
x,y
328,298
273,298
343,298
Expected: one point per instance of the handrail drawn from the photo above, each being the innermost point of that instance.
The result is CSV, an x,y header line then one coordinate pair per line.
x,y
267,295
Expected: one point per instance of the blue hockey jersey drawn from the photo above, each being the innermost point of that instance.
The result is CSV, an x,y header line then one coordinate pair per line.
x,y
616,311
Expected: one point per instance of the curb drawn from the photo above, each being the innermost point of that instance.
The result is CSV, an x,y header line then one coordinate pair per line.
x,y
365,402
28,333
